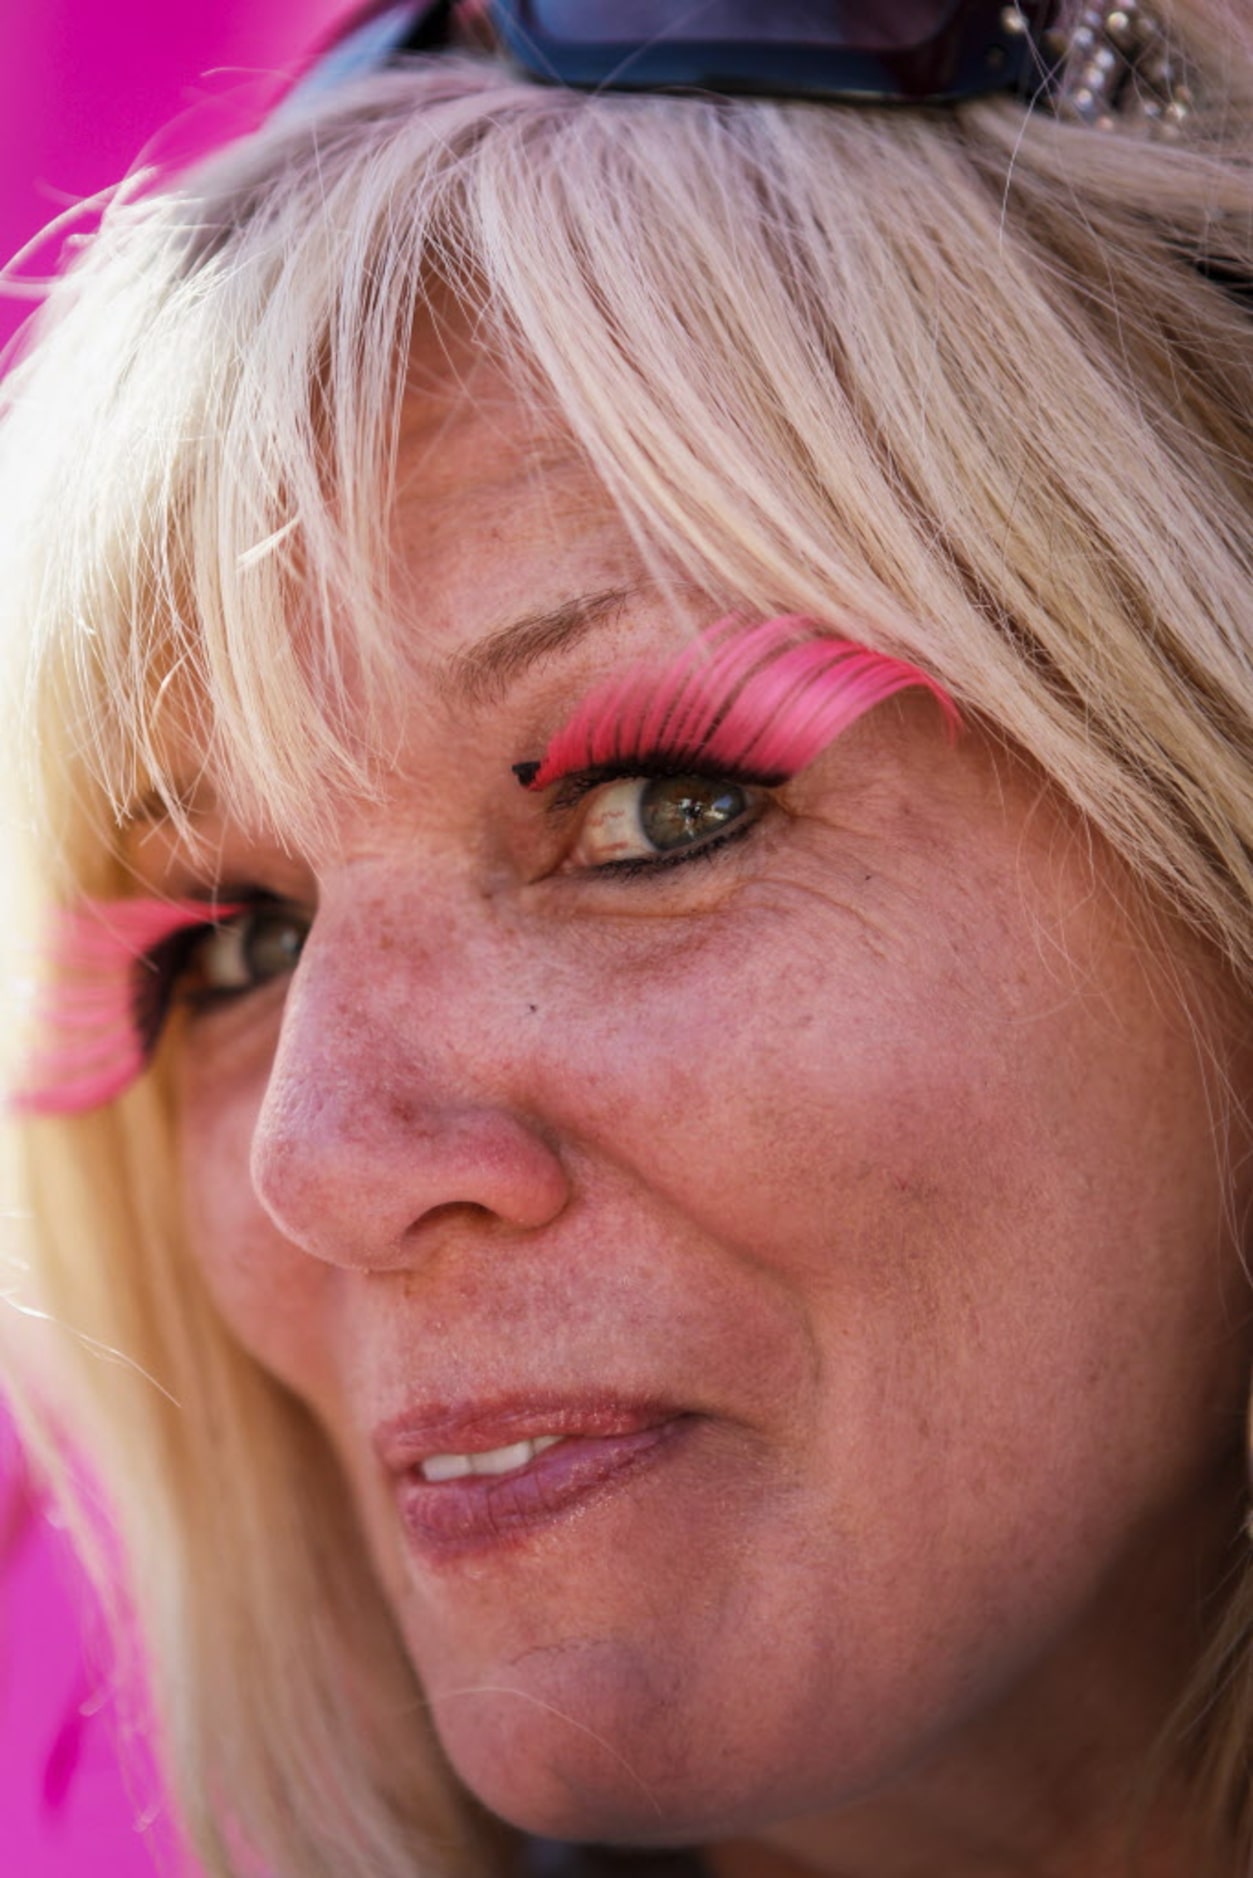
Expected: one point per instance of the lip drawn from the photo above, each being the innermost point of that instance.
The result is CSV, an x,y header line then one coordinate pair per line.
x,y
605,1443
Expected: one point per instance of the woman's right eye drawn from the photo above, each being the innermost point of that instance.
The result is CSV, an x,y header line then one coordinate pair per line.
x,y
240,954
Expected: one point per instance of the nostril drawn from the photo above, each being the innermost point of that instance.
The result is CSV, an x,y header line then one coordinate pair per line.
x,y
469,1212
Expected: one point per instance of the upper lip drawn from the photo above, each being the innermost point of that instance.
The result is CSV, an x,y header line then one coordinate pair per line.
x,y
476,1427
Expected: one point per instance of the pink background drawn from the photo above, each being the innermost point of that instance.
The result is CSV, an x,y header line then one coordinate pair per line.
x,y
84,86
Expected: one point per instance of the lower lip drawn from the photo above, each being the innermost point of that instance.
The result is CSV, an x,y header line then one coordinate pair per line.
x,y
448,1518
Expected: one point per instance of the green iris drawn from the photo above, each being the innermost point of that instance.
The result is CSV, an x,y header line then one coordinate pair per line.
x,y
678,811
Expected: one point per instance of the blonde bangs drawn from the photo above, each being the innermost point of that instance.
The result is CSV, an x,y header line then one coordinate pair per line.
x,y
902,395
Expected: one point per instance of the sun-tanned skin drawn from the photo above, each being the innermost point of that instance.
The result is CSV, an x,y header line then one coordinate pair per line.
x,y
882,1157
744,708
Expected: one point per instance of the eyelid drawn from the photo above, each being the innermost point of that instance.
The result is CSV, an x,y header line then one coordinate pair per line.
x,y
768,697
576,785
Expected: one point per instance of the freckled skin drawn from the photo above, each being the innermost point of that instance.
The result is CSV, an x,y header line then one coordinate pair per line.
x,y
882,1143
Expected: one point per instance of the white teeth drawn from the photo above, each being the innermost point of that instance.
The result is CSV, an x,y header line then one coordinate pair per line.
x,y
502,1460
446,1467
495,1461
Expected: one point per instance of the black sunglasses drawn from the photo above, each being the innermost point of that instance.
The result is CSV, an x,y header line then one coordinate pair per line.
x,y
904,51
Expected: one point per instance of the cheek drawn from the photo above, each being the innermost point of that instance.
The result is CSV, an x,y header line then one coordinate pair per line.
x,y
789,1074
977,1162
275,1299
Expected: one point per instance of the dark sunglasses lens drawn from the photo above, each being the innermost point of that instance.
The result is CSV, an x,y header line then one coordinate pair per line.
x,y
826,25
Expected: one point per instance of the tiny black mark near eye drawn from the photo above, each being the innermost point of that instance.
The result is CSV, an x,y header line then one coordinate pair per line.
x,y
526,773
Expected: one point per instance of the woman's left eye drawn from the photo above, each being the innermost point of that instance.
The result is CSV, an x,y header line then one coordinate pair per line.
x,y
660,819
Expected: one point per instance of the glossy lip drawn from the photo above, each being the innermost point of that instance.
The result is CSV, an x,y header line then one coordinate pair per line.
x,y
477,1427
606,1442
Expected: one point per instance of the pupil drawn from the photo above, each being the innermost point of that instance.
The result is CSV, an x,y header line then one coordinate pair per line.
x,y
675,811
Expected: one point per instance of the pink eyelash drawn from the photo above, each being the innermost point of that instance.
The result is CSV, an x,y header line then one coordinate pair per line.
x,y
766,698
93,1046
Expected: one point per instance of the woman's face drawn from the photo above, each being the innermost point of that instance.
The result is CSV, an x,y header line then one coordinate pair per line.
x,y
851,1198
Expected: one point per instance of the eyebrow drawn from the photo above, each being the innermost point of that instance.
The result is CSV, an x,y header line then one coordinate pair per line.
x,y
482,674
476,677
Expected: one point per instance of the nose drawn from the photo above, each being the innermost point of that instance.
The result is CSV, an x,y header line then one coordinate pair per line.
x,y
396,1102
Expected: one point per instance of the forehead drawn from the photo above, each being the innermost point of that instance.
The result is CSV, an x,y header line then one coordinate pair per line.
x,y
497,515
507,557
509,552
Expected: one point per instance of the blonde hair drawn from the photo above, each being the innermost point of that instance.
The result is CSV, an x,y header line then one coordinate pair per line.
x,y
976,380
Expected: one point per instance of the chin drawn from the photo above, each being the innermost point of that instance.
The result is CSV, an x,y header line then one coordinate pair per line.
x,y
628,1766
579,1769
587,1802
